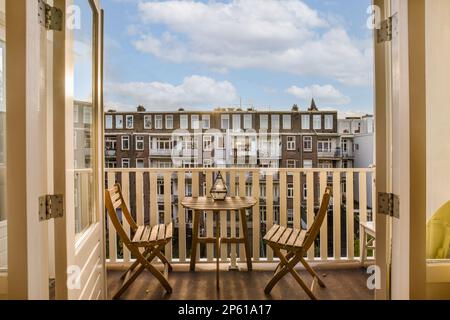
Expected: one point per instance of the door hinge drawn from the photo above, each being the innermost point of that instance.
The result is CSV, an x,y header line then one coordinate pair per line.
x,y
51,207
387,28
389,204
50,17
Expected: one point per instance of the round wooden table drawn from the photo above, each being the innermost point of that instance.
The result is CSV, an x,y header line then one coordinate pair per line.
x,y
207,204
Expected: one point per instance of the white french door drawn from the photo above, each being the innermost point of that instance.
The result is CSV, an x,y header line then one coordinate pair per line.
x,y
80,259
54,143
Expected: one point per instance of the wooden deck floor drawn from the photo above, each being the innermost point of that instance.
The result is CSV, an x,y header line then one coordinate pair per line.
x,y
342,284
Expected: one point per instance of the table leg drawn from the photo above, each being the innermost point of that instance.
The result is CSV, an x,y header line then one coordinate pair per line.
x,y
196,227
217,251
247,245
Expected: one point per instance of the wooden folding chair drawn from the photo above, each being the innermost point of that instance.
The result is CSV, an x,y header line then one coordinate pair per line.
x,y
146,244
296,243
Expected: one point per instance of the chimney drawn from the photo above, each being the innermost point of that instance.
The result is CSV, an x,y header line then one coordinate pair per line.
x,y
141,109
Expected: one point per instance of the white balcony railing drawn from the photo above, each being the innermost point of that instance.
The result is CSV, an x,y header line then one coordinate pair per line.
x,y
339,236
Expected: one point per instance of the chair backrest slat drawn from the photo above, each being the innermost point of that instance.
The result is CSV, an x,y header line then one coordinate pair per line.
x,y
313,232
113,201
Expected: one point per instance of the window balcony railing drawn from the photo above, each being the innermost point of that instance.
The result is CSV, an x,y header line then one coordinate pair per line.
x,y
339,239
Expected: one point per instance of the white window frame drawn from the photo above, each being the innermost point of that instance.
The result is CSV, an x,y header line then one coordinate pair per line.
x,y
264,122
169,121
184,121
132,121
307,140
75,114
329,119
124,161
119,121
291,145
195,122
87,115
324,145
275,119
127,138
291,163
306,122
206,121
207,143
148,124
248,121
317,122
109,121
287,122
290,191
236,122
224,117
158,122
140,139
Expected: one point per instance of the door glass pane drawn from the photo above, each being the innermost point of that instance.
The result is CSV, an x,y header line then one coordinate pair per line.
x,y
84,133
3,235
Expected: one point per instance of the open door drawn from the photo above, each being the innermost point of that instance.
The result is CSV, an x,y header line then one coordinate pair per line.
x,y
78,163
401,149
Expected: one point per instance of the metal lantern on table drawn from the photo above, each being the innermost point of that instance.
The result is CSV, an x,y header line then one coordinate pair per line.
x,y
219,191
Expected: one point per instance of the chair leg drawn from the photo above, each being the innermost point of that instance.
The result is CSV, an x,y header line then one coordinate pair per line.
x,y
158,275
363,244
281,272
312,272
128,282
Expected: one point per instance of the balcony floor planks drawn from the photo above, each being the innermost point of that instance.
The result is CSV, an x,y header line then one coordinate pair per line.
x,y
342,284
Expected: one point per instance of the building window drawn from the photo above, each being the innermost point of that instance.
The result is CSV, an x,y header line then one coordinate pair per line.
x,y
87,115
275,122
119,122
109,122
262,191
307,144
130,122
264,122
75,114
206,121
306,122
236,121
148,122
184,123
158,122
290,190
207,143
305,191
111,164
291,145
287,122
139,143
344,145
291,164
248,121
163,143
125,163
125,143
195,122
317,122
225,122
110,143
290,215
139,163
328,122
324,145
169,122
307,164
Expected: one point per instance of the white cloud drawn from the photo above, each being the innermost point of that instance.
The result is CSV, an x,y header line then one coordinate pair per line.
x,y
326,94
194,91
285,36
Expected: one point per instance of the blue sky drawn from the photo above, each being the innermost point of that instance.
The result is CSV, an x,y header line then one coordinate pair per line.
x,y
266,53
